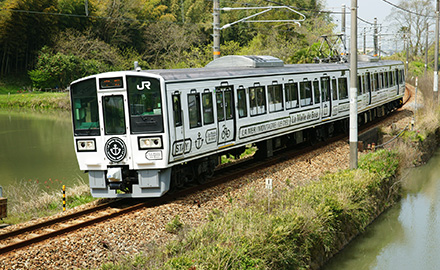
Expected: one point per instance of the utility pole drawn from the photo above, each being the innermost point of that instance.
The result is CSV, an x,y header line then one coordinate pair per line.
x,y
426,49
436,55
216,34
407,54
86,6
365,40
353,136
375,37
343,28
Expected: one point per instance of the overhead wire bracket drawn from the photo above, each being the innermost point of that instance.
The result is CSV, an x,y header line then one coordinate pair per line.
x,y
266,9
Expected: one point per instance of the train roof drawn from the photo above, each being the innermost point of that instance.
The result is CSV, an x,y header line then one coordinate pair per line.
x,y
236,69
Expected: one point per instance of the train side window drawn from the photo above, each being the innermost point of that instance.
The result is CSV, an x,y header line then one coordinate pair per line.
x,y
257,98
305,93
275,93
387,82
177,111
343,90
334,89
325,88
402,76
220,111
359,85
375,81
208,111
392,80
368,83
379,81
291,90
195,118
242,107
229,105
316,91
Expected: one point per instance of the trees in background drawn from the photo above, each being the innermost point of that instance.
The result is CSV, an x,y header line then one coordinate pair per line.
x,y
414,25
57,42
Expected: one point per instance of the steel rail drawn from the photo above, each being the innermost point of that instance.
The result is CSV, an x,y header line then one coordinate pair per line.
x,y
222,175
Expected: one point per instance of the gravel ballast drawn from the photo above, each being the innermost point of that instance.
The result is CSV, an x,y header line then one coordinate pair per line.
x,y
139,231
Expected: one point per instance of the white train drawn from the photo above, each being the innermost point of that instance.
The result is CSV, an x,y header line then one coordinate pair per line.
x,y
139,133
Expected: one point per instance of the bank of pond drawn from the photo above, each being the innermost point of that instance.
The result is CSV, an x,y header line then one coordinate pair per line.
x,y
36,100
302,228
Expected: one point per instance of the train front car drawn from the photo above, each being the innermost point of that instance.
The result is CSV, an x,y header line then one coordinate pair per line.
x,y
119,133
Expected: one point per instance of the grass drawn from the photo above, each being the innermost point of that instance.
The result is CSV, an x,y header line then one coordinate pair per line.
x,y
28,200
15,84
301,225
230,158
36,101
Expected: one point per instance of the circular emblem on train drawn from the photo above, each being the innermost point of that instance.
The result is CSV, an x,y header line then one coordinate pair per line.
x,y
115,149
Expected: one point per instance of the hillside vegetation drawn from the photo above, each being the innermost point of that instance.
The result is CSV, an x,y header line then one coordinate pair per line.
x,y
57,41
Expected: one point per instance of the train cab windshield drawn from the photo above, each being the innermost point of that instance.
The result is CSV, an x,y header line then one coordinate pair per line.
x,y
144,97
85,108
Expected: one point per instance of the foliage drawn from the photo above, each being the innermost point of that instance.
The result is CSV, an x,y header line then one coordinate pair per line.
x,y
174,226
413,26
116,32
23,34
302,224
36,101
29,199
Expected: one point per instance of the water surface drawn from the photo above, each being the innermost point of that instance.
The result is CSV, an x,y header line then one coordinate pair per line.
x,y
36,146
406,236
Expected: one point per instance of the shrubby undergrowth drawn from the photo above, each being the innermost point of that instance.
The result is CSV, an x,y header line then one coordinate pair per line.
x,y
28,199
301,227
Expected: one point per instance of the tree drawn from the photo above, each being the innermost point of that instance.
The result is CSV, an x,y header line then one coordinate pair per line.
x,y
414,23
167,52
26,26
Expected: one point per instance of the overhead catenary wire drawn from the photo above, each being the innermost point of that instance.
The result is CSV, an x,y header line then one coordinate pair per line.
x,y
407,10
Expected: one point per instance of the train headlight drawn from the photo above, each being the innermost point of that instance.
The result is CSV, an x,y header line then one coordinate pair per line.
x,y
150,142
86,145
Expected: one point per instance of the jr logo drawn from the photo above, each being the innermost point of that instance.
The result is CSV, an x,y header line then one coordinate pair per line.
x,y
144,84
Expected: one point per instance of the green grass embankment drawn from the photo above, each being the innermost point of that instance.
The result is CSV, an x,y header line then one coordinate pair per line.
x,y
35,101
299,228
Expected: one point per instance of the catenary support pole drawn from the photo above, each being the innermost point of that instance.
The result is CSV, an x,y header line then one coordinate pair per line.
x,y
343,27
353,136
365,40
426,49
436,54
216,34
375,37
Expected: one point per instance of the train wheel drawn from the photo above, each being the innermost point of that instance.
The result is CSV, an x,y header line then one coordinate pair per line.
x,y
201,178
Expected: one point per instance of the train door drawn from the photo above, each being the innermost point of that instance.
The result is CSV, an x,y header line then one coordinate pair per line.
x,y
326,102
179,145
335,100
368,87
225,113
396,80
114,110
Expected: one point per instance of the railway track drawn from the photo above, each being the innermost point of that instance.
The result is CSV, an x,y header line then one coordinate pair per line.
x,y
55,227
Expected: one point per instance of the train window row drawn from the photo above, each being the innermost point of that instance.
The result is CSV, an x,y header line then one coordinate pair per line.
x,y
275,97
279,97
380,80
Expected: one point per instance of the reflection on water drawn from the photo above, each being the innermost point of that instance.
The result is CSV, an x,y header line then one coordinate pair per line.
x,y
37,147
407,235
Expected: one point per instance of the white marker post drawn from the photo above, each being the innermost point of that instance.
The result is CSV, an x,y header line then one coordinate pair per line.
x,y
269,184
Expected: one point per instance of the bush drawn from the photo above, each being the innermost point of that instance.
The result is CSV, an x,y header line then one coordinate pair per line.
x,y
301,227
58,70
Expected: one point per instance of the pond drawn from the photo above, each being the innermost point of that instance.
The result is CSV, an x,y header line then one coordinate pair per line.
x,y
407,235
37,146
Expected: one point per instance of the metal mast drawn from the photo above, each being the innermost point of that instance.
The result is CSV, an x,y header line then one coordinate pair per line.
x,y
353,136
